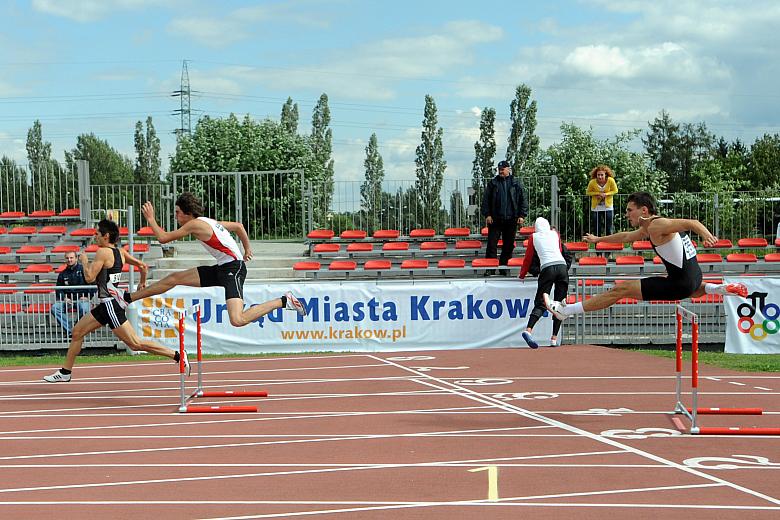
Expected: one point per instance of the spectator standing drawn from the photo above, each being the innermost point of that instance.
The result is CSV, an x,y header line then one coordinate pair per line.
x,y
504,206
71,299
601,190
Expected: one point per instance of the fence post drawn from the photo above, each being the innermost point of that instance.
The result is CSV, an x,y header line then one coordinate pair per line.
x,y
239,206
554,209
130,242
717,214
309,194
85,197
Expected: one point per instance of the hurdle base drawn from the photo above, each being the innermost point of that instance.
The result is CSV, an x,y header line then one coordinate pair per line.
x,y
727,411
737,431
219,409
233,393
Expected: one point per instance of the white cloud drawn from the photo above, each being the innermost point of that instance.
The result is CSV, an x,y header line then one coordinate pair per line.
x,y
89,10
211,32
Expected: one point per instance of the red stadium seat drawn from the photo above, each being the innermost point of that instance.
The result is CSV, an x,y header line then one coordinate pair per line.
x,y
42,213
386,233
592,260
327,248
451,263
777,242
342,265
752,242
23,230
608,246
318,234
306,266
360,246
65,249
38,269
588,282
395,246
147,231
373,265
123,231
91,248
772,257
10,308
12,214
433,246
3,231
576,246
422,233
53,230
40,288
527,230
657,260
30,250
70,212
83,232
9,268
38,308
414,264
484,231
484,262
723,243
709,258
456,232
741,257
516,261
641,245
62,268
4,250
126,268
630,260
353,234
8,288
137,248
468,244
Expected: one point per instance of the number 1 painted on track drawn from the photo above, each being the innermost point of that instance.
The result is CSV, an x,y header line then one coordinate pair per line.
x,y
492,481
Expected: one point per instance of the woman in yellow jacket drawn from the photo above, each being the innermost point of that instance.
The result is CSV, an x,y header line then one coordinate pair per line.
x,y
601,188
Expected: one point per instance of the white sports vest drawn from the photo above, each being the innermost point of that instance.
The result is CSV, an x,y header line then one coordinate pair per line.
x,y
221,245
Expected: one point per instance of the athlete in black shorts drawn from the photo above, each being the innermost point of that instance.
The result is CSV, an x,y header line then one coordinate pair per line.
x,y
104,271
684,278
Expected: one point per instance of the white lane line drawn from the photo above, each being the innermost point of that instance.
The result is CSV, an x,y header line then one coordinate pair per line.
x,y
762,388
736,383
359,437
499,503
475,396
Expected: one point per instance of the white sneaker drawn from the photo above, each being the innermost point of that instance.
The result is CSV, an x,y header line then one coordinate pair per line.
x,y
294,305
57,377
119,295
187,367
556,308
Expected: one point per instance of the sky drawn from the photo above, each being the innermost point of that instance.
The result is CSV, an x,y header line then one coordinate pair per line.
x,y
98,66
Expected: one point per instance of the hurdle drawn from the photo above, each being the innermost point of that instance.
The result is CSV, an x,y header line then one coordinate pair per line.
x,y
694,411
184,407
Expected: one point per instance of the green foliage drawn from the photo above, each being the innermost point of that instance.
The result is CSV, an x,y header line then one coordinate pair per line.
x,y
321,172
523,142
147,151
371,189
43,170
430,167
106,165
740,362
289,117
483,167
764,167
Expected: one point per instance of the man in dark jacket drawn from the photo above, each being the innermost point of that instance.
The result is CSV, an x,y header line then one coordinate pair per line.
x,y
504,206
71,299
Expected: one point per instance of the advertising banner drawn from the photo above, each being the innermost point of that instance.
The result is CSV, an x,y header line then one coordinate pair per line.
x,y
353,316
753,324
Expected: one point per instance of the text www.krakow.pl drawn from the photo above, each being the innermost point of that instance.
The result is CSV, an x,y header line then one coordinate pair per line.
x,y
353,333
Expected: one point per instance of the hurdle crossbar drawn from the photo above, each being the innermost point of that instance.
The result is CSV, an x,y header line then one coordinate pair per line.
x,y
188,408
694,411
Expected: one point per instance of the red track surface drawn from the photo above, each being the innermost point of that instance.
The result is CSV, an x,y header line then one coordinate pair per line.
x,y
553,433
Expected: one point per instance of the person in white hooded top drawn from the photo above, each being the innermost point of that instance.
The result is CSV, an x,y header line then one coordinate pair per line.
x,y
545,245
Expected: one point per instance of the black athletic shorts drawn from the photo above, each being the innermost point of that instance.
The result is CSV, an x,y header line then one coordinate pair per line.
x,y
108,312
670,289
231,276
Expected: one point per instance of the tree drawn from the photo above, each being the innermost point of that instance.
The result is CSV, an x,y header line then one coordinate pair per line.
x,y
147,150
696,144
289,117
371,189
764,162
14,186
106,165
661,143
482,169
523,142
43,170
322,147
430,166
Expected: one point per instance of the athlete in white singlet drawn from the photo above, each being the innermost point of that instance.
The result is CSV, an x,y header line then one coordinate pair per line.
x,y
229,272
684,278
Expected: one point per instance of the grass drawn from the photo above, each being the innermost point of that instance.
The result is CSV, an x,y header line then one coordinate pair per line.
x,y
57,359
739,362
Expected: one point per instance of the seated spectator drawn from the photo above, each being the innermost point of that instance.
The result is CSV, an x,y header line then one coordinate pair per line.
x,y
71,299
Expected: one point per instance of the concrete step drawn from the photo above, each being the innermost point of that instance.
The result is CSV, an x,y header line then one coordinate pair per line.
x,y
253,273
179,262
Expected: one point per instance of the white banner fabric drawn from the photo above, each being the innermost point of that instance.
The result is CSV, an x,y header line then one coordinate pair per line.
x,y
353,316
753,324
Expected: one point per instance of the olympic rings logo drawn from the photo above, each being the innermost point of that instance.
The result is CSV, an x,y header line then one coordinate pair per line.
x,y
758,329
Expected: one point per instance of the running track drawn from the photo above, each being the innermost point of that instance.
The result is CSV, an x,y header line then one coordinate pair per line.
x,y
491,433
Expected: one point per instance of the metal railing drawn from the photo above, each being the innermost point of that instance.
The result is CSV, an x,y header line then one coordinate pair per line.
x,y
48,186
116,198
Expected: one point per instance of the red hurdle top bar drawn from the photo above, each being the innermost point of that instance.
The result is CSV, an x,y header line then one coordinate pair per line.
x,y
181,343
